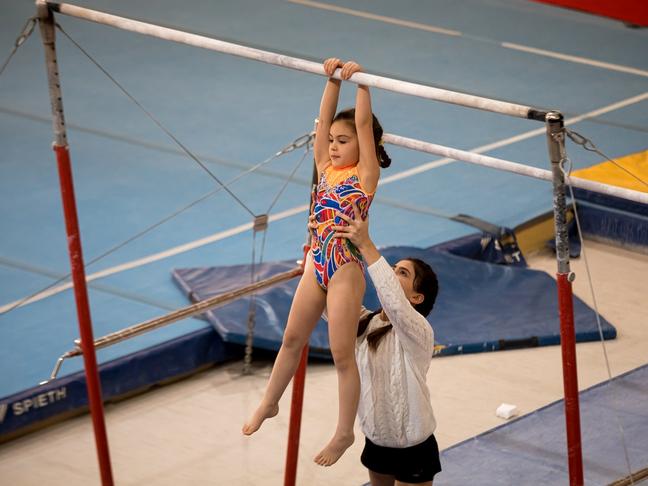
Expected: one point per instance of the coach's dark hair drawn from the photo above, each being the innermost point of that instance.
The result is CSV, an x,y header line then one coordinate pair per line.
x,y
425,282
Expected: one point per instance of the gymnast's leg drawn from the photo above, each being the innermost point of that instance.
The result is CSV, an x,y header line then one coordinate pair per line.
x,y
306,309
345,292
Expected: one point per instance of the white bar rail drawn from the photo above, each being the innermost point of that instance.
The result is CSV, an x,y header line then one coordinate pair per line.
x,y
372,80
505,165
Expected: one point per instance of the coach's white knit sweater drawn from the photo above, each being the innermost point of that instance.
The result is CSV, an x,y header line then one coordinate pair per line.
x,y
395,408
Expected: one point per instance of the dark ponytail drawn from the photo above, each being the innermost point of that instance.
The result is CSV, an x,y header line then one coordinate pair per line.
x,y
374,337
348,116
383,158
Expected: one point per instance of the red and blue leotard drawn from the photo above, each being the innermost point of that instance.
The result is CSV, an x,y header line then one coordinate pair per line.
x,y
336,189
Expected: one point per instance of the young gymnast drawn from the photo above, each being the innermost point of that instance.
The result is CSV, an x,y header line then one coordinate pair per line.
x,y
348,157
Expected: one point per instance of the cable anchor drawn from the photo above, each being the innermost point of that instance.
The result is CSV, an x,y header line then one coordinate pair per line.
x,y
20,40
28,29
303,141
579,139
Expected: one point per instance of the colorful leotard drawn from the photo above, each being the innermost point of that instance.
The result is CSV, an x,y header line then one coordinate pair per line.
x,y
335,191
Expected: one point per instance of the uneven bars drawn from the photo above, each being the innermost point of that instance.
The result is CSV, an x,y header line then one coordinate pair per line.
x,y
389,84
505,165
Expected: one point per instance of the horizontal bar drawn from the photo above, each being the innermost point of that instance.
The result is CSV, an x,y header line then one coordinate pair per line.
x,y
185,312
505,165
389,84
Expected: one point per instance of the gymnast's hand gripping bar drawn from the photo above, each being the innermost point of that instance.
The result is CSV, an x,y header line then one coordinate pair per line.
x,y
389,84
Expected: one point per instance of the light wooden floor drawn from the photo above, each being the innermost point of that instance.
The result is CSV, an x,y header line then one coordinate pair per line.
x,y
189,432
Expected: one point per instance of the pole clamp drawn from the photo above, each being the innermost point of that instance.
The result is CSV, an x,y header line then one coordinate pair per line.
x,y
260,223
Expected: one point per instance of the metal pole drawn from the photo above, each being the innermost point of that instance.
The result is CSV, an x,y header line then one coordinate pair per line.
x,y
299,381
556,143
74,244
191,310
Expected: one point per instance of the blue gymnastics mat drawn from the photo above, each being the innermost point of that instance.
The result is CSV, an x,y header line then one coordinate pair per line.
x,y
481,306
532,450
66,396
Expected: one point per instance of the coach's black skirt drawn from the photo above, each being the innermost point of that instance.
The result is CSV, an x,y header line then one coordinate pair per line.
x,y
416,464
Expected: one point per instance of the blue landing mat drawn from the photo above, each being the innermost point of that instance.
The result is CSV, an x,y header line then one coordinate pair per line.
x,y
481,306
37,406
532,450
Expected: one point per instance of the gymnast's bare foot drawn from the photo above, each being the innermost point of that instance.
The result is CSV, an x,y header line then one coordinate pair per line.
x,y
334,449
263,412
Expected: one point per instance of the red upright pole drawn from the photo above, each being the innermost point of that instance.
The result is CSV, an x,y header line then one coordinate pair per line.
x,y
570,379
294,429
46,20
83,313
557,153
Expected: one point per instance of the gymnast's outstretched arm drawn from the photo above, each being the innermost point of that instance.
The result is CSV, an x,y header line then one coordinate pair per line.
x,y
328,105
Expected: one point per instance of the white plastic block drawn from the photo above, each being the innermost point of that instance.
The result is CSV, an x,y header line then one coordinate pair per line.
x,y
506,411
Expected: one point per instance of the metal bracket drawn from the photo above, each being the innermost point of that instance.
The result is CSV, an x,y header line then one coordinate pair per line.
x,y
260,223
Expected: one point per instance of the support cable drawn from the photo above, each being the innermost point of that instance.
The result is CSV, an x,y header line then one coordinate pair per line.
x,y
207,304
260,220
251,317
566,168
261,225
588,145
157,122
297,143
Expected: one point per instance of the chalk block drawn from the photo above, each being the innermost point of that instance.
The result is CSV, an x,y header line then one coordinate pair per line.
x,y
506,411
